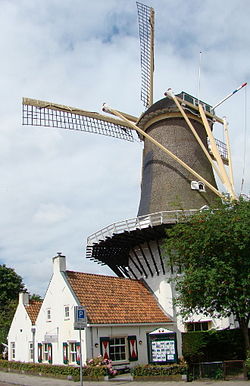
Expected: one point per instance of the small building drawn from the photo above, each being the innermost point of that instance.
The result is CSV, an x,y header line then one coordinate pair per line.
x,y
125,323
21,338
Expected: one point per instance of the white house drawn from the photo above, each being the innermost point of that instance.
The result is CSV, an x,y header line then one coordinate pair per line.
x,y
21,340
124,322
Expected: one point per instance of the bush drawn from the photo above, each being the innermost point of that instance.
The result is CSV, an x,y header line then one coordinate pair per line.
x,y
213,345
193,345
247,365
151,370
55,370
100,362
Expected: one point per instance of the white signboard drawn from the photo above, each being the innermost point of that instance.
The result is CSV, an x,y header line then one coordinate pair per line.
x,y
50,338
80,318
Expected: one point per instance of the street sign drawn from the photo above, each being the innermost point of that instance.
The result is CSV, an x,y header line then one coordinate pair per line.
x,y
80,318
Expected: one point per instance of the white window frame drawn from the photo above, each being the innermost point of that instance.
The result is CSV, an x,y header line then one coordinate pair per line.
x,y
46,352
72,352
12,350
31,351
48,314
66,312
198,324
116,345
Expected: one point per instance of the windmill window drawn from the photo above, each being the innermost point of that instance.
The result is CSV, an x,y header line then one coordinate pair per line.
x,y
198,185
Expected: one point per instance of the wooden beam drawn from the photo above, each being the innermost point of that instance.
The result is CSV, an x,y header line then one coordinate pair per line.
x,y
230,165
216,153
165,150
183,113
74,110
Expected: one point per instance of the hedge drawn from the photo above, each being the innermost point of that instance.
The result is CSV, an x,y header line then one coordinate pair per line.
x,y
155,370
213,345
54,370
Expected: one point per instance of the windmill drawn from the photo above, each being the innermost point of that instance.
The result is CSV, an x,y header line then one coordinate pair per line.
x,y
180,157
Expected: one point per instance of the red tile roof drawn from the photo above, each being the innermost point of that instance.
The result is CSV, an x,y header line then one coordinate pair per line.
x,y
33,309
114,300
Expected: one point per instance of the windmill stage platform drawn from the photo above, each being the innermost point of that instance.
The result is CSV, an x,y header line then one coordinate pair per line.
x,y
115,244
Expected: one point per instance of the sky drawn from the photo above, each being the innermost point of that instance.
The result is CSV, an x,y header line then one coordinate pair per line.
x,y
60,186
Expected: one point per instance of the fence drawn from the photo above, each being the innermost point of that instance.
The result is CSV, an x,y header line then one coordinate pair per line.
x,y
227,370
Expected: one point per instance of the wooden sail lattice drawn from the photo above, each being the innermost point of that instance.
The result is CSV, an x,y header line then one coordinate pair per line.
x,y
39,113
146,28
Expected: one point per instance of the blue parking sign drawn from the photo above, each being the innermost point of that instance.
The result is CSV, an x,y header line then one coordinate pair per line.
x,y
80,318
80,314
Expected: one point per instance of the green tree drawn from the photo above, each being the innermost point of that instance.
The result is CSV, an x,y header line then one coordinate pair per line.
x,y
10,286
212,249
36,297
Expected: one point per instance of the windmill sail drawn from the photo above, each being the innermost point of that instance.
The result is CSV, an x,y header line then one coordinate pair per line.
x,y
146,33
41,113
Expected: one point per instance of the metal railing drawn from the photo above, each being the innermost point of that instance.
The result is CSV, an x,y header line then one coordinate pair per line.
x,y
141,222
222,148
227,370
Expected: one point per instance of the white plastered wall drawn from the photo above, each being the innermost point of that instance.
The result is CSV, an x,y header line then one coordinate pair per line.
x,y
57,297
20,332
124,331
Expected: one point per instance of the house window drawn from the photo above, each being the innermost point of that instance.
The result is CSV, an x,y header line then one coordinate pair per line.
x,y
48,315
66,312
117,349
197,326
45,352
31,351
13,350
72,352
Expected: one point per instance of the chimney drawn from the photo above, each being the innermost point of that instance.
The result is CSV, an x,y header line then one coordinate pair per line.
x,y
24,298
59,263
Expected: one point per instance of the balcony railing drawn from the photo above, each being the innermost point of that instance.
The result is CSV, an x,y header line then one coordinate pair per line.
x,y
141,222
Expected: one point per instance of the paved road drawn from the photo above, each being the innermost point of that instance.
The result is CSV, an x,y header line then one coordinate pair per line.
x,y
28,380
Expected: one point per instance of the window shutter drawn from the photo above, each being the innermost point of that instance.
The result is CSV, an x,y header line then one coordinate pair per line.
x,y
104,344
40,352
132,348
78,359
65,353
50,352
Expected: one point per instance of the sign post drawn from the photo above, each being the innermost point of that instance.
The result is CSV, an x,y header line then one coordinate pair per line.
x,y
79,324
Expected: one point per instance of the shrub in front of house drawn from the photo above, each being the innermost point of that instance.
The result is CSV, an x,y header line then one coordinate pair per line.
x,y
213,345
159,370
97,362
54,370
247,365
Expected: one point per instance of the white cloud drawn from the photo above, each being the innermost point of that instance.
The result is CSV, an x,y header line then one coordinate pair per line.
x,y
58,186
50,213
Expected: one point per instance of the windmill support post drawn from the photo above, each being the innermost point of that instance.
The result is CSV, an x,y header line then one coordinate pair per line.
x,y
164,149
230,166
171,94
216,153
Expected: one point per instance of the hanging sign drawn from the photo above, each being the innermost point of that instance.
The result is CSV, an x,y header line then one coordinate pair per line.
x,y
80,318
